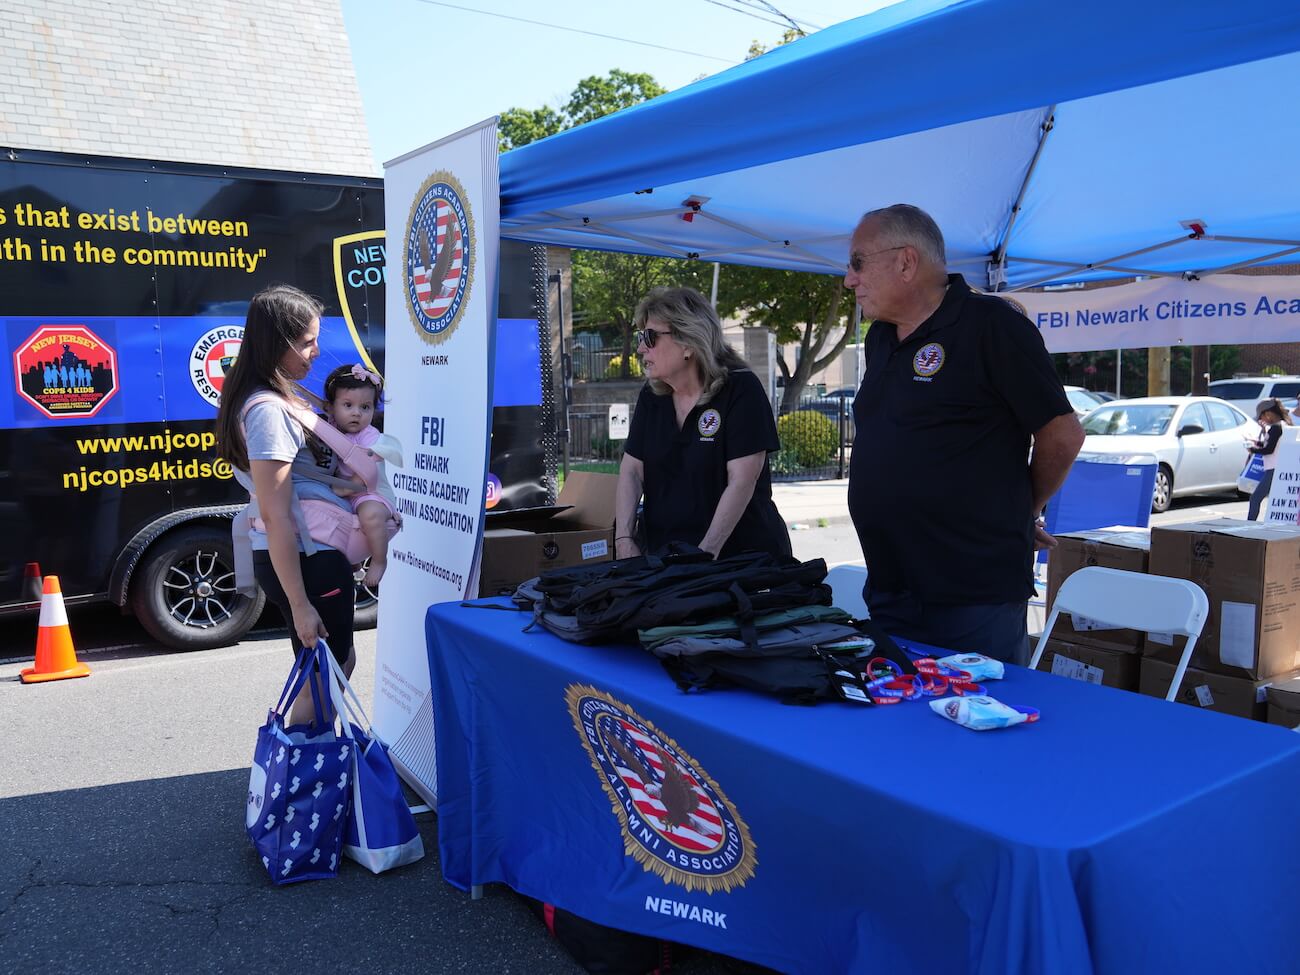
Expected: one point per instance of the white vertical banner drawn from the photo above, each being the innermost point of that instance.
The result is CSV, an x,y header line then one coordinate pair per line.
x,y
1284,495
442,213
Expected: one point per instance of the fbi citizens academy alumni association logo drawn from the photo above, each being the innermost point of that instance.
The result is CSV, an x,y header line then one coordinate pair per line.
x,y
928,360
676,820
440,257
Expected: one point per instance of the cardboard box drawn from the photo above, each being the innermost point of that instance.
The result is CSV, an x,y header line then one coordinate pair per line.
x,y
1251,573
1092,665
1284,703
1118,547
518,545
1215,692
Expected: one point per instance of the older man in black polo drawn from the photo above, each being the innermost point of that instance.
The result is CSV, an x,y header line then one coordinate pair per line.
x,y
944,491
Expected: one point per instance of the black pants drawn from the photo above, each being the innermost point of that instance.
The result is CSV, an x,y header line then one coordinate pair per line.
x,y
997,630
327,577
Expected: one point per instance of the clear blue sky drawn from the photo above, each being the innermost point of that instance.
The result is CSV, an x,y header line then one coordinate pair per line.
x,y
428,69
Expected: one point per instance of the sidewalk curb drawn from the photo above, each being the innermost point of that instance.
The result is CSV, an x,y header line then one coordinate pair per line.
x,y
820,521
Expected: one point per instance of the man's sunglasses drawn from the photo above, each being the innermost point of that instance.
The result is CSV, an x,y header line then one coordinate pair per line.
x,y
649,336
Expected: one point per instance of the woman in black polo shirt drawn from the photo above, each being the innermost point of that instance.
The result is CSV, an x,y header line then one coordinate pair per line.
x,y
698,445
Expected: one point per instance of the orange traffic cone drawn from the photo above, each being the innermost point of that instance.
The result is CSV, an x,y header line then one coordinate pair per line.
x,y
55,657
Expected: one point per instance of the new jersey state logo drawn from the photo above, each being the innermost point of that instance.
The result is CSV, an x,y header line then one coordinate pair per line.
x,y
676,821
440,256
928,360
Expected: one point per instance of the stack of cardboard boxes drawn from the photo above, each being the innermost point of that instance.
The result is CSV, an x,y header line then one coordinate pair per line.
x,y
1247,659
1251,573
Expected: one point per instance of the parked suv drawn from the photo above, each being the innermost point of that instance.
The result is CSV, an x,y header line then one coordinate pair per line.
x,y
1245,392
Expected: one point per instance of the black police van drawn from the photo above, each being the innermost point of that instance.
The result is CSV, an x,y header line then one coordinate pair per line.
x,y
123,289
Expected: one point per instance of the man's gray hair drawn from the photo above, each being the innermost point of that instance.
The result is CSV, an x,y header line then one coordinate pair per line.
x,y
905,225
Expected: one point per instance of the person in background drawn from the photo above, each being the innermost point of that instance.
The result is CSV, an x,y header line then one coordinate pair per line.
x,y
314,593
943,490
1272,417
699,439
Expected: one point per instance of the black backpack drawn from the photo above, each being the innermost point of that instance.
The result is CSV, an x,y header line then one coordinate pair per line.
x,y
603,950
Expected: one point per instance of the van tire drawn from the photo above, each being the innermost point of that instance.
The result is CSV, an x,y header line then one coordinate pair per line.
x,y
366,615
189,574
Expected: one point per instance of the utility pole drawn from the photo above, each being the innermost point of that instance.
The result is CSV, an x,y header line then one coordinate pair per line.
x,y
1158,372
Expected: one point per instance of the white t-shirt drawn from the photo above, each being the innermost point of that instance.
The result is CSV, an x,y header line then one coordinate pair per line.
x,y
272,434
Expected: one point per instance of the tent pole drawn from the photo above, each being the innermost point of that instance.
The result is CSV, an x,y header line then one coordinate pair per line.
x,y
1000,254
713,298
1119,356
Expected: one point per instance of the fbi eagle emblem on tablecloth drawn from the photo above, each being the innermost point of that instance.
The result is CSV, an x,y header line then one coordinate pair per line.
x,y
676,820
440,256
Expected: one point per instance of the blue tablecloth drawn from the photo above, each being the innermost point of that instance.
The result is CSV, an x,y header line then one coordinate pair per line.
x,y
1118,834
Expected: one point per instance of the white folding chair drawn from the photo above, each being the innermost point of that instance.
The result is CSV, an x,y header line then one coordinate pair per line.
x,y
846,582
1153,604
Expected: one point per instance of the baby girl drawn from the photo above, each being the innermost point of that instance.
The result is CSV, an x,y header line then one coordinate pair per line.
x,y
353,396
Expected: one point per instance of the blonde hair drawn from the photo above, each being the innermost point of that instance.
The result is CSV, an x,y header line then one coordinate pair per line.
x,y
694,324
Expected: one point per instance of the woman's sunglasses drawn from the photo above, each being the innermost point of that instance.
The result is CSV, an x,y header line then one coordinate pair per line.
x,y
649,336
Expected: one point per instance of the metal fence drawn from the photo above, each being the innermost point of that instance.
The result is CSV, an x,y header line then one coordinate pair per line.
x,y
816,439
595,365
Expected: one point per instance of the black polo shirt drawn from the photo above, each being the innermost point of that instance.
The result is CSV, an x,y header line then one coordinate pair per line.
x,y
686,469
939,487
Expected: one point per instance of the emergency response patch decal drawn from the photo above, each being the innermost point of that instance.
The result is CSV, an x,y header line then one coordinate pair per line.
x,y
65,371
928,360
440,256
710,423
676,821
211,358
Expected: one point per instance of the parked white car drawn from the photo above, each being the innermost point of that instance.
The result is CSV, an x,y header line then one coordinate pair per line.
x,y
1199,441
1245,392
1083,400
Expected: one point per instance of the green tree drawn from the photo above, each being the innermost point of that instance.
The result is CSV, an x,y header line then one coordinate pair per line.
x,y
813,310
607,287
592,98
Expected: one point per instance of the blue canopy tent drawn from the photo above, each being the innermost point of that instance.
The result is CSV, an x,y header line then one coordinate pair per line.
x,y
1051,142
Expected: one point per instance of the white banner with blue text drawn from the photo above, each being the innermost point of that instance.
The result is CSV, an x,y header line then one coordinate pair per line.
x,y
1222,309
442,212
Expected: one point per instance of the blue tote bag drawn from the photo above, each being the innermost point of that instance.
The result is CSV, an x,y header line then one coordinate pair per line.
x,y
380,832
299,787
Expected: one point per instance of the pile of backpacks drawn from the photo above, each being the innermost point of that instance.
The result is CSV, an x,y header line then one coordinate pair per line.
x,y
752,620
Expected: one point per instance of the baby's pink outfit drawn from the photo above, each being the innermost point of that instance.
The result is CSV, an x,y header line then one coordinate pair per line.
x,y
365,438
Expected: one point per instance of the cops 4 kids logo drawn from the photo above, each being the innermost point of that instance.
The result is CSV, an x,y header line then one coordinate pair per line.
x,y
440,254
676,820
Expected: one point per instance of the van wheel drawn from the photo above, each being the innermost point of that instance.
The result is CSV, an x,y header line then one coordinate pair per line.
x,y
183,593
366,614
1163,494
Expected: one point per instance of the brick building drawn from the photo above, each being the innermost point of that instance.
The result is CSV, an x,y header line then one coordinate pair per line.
x,y
266,84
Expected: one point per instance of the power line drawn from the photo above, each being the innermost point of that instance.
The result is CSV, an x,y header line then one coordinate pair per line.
x,y
575,30
764,11
740,10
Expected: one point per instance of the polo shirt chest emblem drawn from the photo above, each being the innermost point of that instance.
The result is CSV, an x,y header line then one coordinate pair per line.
x,y
928,360
709,423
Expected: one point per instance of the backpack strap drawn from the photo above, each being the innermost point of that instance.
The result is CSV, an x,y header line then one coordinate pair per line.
x,y
242,524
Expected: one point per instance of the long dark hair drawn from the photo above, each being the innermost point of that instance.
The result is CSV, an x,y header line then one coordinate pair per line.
x,y
277,317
